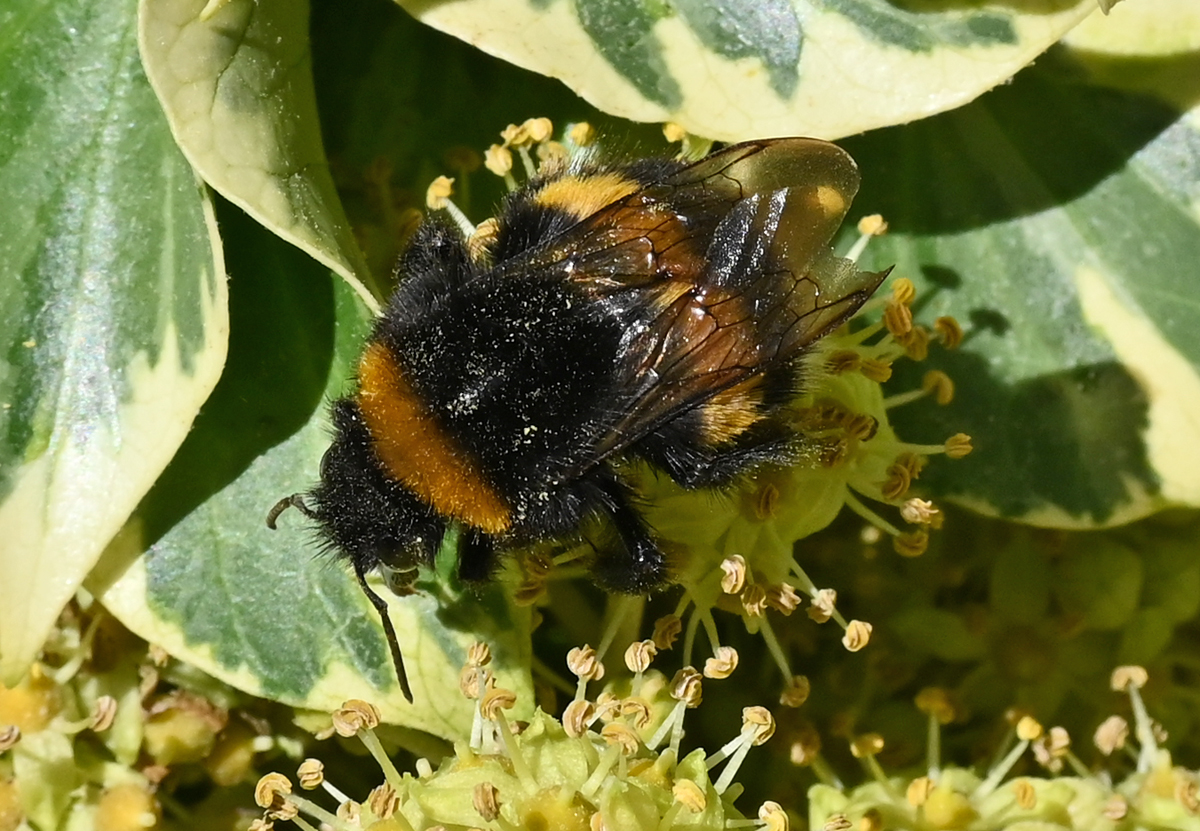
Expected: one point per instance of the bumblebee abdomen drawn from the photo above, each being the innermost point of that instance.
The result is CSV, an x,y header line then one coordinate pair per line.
x,y
495,394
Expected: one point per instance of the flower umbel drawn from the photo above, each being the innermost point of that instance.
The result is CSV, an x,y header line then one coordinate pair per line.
x,y
1156,794
586,772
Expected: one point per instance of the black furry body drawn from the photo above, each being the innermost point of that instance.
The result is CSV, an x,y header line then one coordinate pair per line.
x,y
651,311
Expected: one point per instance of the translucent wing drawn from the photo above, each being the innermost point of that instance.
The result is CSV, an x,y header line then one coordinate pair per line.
x,y
720,271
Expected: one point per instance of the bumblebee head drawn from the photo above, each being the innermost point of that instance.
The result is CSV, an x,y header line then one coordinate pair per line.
x,y
367,518
364,515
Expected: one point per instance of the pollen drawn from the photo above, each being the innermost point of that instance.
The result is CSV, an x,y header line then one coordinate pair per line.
x,y
1111,735
686,687
437,195
912,544
903,291
936,702
898,319
1029,729
271,790
876,370
949,332
796,692
581,134
918,791
622,736
479,654
479,244
638,711
958,445
674,133
938,383
837,822
857,636
921,512
103,713
666,630
824,605
495,700
844,361
498,160
553,157
873,225
383,801
578,717
916,343
722,664
538,129
754,600
897,483
310,774
733,569
868,744
355,715
10,735
1025,795
759,723
1127,677
639,655
783,598
486,800
584,664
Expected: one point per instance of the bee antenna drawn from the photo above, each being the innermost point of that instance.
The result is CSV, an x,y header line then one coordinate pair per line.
x,y
294,501
381,606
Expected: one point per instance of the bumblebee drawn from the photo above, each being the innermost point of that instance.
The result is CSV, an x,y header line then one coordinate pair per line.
x,y
651,311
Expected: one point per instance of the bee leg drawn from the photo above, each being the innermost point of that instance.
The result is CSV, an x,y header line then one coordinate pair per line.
x,y
476,557
639,566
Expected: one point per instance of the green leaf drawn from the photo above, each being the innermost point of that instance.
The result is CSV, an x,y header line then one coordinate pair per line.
x,y
1145,636
237,89
937,632
735,70
1172,581
1142,29
112,302
267,611
1099,583
1020,582
1056,221
402,103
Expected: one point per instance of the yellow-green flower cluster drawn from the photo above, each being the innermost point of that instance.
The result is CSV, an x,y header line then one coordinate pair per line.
x,y
94,737
611,763
69,739
1156,794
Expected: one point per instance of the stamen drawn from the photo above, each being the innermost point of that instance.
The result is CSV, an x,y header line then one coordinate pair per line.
x,y
773,646
689,637
870,516
581,134
1027,730
865,748
758,725
498,159
437,198
902,398
869,226
668,627
494,703
1130,679
592,784
357,717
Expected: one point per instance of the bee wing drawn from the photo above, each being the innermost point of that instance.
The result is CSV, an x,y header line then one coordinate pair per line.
x,y
721,270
